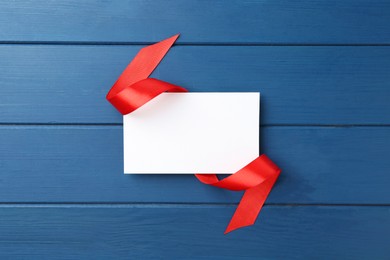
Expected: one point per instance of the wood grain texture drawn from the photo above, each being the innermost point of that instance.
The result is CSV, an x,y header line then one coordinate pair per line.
x,y
193,232
298,84
84,164
322,68
233,21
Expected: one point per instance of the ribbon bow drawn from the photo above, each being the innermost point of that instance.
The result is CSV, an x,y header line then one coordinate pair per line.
x,y
133,89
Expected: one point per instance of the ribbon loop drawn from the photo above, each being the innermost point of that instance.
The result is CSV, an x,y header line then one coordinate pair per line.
x,y
253,174
140,68
133,89
134,96
257,179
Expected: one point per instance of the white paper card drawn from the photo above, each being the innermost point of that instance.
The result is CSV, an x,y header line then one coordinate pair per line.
x,y
192,133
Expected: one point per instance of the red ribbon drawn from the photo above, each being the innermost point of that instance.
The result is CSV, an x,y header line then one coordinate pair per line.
x,y
133,89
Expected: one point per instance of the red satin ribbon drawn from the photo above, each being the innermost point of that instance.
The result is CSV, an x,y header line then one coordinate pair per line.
x,y
133,89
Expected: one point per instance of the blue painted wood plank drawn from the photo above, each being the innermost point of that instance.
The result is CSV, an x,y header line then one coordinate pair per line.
x,y
321,165
221,21
193,232
298,84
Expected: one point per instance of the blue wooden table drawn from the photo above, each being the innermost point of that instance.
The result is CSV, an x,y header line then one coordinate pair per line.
x,y
323,70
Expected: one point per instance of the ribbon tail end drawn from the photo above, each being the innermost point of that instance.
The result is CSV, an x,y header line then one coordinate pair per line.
x,y
172,39
233,226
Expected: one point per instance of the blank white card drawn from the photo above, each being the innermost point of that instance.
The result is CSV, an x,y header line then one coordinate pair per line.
x,y
192,133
